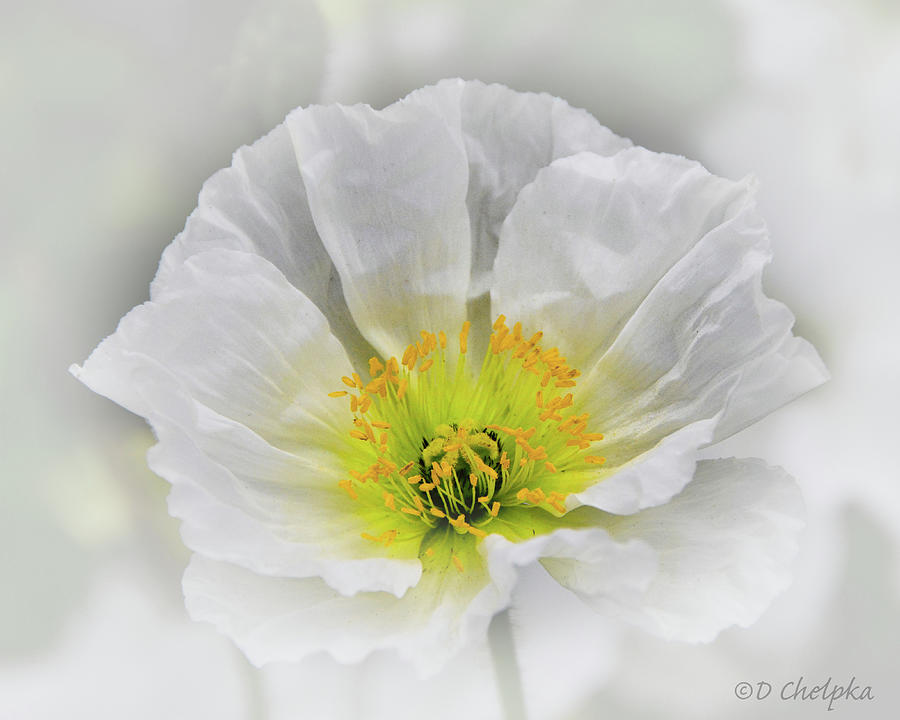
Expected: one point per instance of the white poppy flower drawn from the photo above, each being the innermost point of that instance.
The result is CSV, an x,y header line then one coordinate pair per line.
x,y
364,450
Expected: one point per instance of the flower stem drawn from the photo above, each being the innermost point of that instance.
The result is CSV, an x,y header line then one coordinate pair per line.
x,y
506,667
256,703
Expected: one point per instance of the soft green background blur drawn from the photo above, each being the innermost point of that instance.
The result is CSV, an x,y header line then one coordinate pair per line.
x,y
113,113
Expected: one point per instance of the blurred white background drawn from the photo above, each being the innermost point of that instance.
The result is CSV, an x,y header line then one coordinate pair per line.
x,y
113,113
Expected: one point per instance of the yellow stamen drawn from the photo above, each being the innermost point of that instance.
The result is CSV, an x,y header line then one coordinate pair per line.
x,y
486,469
464,337
376,387
423,424
409,357
555,500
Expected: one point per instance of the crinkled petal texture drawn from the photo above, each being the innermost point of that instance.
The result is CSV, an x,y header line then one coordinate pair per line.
x,y
346,231
647,270
227,363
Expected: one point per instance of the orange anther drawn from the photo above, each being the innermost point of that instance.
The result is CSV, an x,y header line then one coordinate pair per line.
x,y
464,337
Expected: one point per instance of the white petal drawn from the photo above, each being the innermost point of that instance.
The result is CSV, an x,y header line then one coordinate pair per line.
x,y
646,270
509,136
223,531
286,619
724,546
274,619
240,340
680,355
791,369
590,237
387,191
231,365
651,478
588,562
259,205
702,332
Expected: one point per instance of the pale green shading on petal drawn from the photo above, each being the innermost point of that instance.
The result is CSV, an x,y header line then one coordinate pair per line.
x,y
227,532
387,192
442,447
650,268
234,335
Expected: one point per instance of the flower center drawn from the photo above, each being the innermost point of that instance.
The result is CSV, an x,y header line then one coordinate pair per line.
x,y
470,459
434,444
